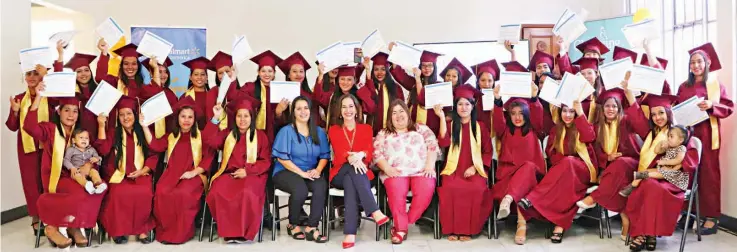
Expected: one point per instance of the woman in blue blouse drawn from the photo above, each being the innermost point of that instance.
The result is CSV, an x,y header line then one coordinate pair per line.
x,y
302,151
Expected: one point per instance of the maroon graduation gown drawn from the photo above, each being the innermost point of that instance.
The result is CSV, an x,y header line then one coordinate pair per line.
x,y
101,74
710,196
408,82
378,96
319,95
273,122
152,89
87,119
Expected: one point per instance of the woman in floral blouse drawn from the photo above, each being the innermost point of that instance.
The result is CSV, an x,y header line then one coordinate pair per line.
x,y
406,153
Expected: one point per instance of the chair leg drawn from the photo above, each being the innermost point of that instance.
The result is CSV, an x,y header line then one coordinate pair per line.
x,y
608,224
698,216
100,234
492,223
436,222
89,237
688,217
601,221
274,217
202,221
212,225
261,226
38,233
329,216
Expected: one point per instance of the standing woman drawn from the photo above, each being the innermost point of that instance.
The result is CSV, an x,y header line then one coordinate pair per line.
x,y
86,85
387,89
271,114
590,71
487,74
28,147
347,85
237,190
221,64
572,169
324,87
178,191
591,49
165,125
703,60
127,208
295,69
465,198
302,151
197,88
64,203
456,73
129,79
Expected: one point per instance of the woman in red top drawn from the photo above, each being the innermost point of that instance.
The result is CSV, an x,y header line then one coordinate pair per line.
x,y
352,149
347,85
129,79
164,125
197,89
269,117
86,85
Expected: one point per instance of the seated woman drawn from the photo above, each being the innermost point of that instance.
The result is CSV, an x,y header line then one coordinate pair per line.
x,y
178,191
302,151
237,190
64,203
521,160
465,198
352,151
406,152
572,169
127,208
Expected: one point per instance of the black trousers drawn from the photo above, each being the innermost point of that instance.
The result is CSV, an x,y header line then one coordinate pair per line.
x,y
298,189
356,192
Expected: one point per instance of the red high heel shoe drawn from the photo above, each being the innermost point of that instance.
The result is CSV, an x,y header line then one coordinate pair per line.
x,y
382,221
347,245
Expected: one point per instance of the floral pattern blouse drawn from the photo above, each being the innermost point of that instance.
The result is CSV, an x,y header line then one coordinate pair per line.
x,y
406,151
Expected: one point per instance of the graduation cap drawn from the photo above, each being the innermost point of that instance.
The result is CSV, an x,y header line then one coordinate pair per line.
x,y
467,92
621,53
220,60
294,59
593,45
129,50
463,71
266,58
487,67
428,56
538,58
711,55
197,63
80,60
514,66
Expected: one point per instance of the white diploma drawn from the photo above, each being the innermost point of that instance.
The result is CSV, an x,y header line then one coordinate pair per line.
x,y
284,90
570,26
155,108
637,33
516,84
224,86
373,44
110,31
549,91
688,113
241,50
31,57
335,55
103,99
405,55
65,37
60,84
571,89
153,45
509,33
647,79
487,98
440,93
613,73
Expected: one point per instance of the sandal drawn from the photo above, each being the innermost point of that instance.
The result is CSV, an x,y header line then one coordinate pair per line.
x,y
520,239
464,238
651,243
524,203
79,240
318,239
145,240
637,247
556,237
299,235
52,233
504,207
642,175
396,237
452,237
710,230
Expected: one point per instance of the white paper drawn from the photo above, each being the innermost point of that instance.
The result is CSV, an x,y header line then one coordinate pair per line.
x,y
110,31
549,90
440,93
571,89
241,50
570,26
509,33
487,98
223,89
284,90
613,73
155,108
103,99
688,113
405,55
65,37
60,84
516,84
637,33
31,57
349,48
647,79
153,45
335,55
373,44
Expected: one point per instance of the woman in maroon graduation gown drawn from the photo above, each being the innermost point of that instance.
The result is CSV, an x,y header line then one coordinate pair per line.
x,y
165,125
347,85
129,79
324,87
465,198
295,69
237,189
573,168
270,117
86,85
718,105
64,203
127,208
521,160
654,205
178,191
29,152
386,89
197,89
591,49
487,74
221,64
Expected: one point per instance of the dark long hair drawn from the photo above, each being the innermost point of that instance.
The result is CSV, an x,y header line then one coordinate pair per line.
x,y
339,106
138,76
571,133
91,84
218,81
304,86
57,121
391,85
525,114
310,123
460,77
335,100
118,143
177,128
251,128
432,79
691,76
601,119
668,124
207,87
456,132
326,81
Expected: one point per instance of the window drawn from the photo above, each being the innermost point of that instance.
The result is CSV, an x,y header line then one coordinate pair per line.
x,y
686,24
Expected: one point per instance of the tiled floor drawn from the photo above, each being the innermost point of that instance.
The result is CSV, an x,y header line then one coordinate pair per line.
x,y
16,237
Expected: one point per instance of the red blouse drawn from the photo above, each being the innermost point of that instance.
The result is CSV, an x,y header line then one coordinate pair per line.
x,y
362,141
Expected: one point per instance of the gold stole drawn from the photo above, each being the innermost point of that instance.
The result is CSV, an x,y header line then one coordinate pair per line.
x,y
138,160
583,153
421,114
195,143
122,87
160,127
42,116
385,99
191,93
261,117
592,109
713,95
454,153
647,153
251,152
57,158
611,137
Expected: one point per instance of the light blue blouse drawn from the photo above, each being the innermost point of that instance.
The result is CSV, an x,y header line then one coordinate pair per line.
x,y
290,145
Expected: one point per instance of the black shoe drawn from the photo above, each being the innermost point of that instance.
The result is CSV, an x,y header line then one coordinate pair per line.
x,y
120,240
682,222
712,230
524,203
146,240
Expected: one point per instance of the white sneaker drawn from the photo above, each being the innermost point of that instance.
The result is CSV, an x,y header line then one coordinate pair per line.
x,y
582,205
504,207
101,188
89,187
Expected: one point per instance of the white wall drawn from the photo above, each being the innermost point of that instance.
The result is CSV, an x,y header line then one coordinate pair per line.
x,y
727,35
15,34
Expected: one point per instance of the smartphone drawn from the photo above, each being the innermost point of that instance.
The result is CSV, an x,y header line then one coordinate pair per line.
x,y
357,55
